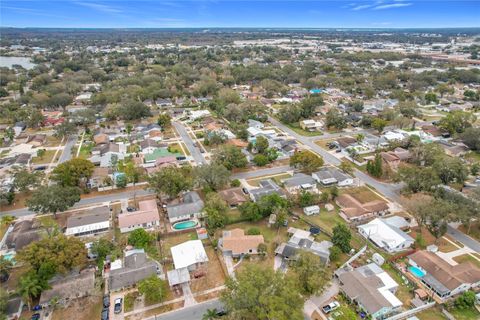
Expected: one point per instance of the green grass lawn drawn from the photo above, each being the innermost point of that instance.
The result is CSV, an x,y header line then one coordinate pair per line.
x,y
86,150
362,194
297,129
326,220
465,314
467,257
433,313
47,157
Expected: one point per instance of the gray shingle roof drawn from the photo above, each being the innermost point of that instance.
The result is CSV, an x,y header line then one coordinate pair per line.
x,y
192,204
136,268
299,179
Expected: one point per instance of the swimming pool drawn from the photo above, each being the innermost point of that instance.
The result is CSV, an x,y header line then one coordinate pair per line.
x,y
417,272
9,257
185,225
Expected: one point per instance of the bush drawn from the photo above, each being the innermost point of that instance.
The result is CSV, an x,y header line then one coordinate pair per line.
x,y
466,300
253,231
235,183
335,253
260,160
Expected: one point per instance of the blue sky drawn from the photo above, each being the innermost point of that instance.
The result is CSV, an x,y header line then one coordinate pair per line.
x,y
247,13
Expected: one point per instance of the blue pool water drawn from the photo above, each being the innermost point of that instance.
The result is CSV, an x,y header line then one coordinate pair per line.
x,y
184,225
417,272
9,257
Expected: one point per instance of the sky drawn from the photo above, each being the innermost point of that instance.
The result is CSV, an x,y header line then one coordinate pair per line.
x,y
246,13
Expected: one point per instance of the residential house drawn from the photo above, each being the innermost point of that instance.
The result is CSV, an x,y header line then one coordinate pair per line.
x,y
442,278
255,124
453,150
145,217
190,254
371,288
67,288
331,175
135,268
93,222
197,114
164,103
101,138
19,127
392,159
311,210
302,240
191,207
353,210
386,236
267,187
37,140
24,232
311,125
233,196
103,155
158,153
236,244
148,146
345,142
98,177
300,182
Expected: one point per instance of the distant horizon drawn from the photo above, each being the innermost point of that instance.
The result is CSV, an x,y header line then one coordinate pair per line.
x,y
265,14
245,28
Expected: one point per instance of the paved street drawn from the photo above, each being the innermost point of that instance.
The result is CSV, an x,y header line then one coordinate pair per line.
x,y
389,190
261,172
67,151
463,238
194,312
194,151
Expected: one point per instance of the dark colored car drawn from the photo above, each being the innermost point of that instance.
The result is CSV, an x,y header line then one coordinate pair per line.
x,y
106,301
117,308
35,316
37,307
104,315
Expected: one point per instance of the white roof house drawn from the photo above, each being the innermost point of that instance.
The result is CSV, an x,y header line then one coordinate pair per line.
x,y
188,254
197,114
385,235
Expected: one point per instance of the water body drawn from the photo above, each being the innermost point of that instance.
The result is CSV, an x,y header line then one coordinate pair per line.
x,y
10,61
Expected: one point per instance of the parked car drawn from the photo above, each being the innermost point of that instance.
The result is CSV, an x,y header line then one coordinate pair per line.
x,y
118,305
106,301
330,307
37,307
104,315
35,316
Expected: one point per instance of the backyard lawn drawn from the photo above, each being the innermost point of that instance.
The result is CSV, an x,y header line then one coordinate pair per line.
x,y
362,194
433,313
277,178
465,314
297,129
47,157
326,220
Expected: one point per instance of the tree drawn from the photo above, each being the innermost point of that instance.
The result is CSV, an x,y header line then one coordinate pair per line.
x,y
24,180
139,238
73,173
65,129
53,199
261,144
335,253
164,120
431,97
271,203
379,124
230,157
154,289
131,110
417,179
450,170
260,160
306,161
4,295
466,300
102,248
250,211
211,176
216,212
310,272
457,121
375,167
437,226
335,119
30,286
341,237
41,153
262,294
5,266
471,137
170,181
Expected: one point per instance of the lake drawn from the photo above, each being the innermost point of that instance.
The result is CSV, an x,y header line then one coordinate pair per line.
x,y
10,61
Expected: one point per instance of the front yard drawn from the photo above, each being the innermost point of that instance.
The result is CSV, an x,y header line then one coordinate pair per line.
x,y
46,158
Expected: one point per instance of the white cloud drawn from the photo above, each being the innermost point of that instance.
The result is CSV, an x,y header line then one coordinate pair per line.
x,y
362,7
392,5
99,7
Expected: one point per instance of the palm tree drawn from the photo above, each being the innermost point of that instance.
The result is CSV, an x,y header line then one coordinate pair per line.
x,y
29,287
210,314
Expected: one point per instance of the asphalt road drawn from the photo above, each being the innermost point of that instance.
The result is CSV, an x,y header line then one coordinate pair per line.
x,y
261,172
67,150
194,312
463,238
194,151
389,190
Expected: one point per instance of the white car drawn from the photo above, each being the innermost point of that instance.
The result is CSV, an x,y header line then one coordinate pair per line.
x,y
330,307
